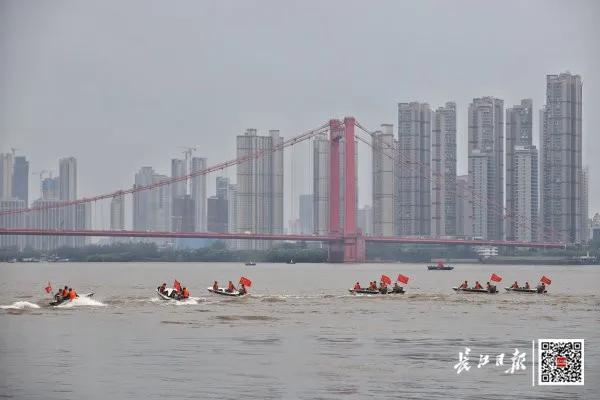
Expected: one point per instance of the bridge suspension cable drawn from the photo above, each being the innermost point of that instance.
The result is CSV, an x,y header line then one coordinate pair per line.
x,y
287,143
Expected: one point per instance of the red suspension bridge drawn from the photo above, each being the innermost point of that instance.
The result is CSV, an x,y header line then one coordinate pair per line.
x,y
346,242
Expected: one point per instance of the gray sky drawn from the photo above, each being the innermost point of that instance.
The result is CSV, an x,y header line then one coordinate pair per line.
x,y
121,84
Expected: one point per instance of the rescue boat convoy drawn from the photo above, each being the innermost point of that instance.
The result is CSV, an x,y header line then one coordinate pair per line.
x,y
385,287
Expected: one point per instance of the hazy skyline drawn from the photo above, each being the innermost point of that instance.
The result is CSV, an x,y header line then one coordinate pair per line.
x,y
120,85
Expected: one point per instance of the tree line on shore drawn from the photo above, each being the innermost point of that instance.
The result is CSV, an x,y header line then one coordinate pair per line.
x,y
280,252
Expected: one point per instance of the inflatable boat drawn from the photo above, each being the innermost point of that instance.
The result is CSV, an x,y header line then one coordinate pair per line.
x,y
374,292
167,294
63,301
538,289
492,290
224,292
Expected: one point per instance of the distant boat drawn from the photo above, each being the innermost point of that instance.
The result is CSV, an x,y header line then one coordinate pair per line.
x,y
290,261
440,267
250,263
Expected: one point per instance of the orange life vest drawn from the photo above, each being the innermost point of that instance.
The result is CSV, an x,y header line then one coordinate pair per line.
x,y
186,293
72,295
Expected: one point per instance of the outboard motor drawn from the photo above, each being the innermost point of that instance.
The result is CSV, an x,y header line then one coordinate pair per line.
x,y
493,289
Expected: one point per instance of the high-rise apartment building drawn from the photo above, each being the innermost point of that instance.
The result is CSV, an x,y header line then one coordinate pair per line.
x,y
198,192
183,210
259,186
20,179
584,225
364,220
306,213
222,187
413,188
218,214
50,188
383,180
12,221
464,207
76,216
560,159
232,209
521,174
117,213
443,171
67,178
178,168
6,175
151,208
486,166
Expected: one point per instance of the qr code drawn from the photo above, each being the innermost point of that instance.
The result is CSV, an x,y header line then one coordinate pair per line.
x,y
560,361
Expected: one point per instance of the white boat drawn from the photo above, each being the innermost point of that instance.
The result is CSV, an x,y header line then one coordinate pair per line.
x,y
166,295
491,290
224,292
537,289
63,301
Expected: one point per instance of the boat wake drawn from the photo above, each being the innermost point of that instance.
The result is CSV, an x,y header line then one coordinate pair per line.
x,y
187,302
20,305
82,301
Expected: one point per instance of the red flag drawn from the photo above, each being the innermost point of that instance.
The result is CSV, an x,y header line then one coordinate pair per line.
x,y
545,280
177,285
440,264
48,288
403,279
495,278
386,279
245,281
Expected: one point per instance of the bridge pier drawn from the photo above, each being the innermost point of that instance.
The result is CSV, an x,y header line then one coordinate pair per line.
x,y
349,249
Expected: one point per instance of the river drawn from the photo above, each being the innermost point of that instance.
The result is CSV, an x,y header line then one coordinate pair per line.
x,y
299,335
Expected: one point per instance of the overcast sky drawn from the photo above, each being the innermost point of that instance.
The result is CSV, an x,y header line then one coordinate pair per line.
x,y
121,84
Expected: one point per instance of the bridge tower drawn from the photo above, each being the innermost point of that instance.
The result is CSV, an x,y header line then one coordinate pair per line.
x,y
351,246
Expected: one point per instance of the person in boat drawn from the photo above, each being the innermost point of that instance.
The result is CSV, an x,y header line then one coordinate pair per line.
x,y
373,285
185,293
357,286
230,287
464,285
242,290
397,288
488,286
383,287
527,285
515,285
58,297
65,293
478,285
162,288
72,294
542,287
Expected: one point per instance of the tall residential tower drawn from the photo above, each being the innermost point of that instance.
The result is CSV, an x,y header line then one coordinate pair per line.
x,y
486,166
521,174
560,164
443,171
413,188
